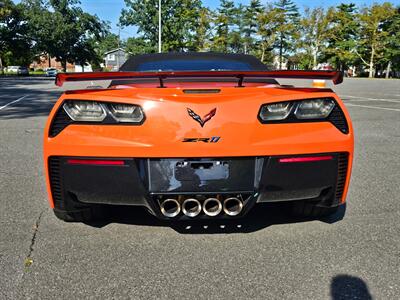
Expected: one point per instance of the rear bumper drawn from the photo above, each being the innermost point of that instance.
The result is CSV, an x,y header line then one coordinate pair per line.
x,y
145,182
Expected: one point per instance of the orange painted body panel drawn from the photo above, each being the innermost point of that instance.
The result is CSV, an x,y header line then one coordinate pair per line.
x,y
167,123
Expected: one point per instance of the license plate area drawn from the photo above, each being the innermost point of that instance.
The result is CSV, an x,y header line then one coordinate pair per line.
x,y
201,170
201,175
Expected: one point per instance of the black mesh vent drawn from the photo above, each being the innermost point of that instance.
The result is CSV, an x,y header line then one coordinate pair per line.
x,y
60,121
55,181
338,119
343,159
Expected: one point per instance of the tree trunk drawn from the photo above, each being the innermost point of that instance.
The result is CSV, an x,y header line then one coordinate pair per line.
x,y
371,63
262,52
280,53
64,64
1,66
388,69
48,55
83,67
315,58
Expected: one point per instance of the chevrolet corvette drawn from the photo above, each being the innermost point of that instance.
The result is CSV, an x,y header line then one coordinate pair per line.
x,y
197,136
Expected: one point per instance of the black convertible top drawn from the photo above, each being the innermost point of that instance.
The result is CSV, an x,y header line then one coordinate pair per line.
x,y
193,61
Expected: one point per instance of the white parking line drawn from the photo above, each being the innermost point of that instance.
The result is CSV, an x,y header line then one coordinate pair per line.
x,y
12,102
373,107
372,99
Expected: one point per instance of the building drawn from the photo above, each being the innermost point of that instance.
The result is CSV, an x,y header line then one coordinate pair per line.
x,y
43,62
114,59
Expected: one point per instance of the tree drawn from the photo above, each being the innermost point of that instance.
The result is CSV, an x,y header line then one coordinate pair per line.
x,y
61,29
251,24
287,19
107,42
15,46
179,20
138,46
235,36
224,18
203,33
342,35
373,38
267,24
314,34
392,49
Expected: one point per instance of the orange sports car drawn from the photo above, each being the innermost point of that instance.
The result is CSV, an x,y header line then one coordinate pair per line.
x,y
197,136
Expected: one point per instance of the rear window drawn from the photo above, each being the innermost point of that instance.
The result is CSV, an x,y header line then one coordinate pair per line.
x,y
194,65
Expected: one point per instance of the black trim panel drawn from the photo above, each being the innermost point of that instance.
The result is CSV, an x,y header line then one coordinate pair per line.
x,y
256,179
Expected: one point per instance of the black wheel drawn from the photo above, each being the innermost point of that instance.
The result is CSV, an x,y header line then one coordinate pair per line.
x,y
311,210
89,214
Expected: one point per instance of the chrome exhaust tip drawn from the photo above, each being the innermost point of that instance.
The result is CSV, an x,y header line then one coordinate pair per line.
x,y
212,207
170,208
191,207
233,206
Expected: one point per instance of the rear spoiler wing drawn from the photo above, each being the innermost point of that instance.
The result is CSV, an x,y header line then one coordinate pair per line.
x,y
335,76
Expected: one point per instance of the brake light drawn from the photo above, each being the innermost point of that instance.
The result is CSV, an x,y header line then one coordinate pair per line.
x,y
101,162
305,159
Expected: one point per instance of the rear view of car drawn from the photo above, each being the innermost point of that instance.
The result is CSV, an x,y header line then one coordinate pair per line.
x,y
188,138
23,71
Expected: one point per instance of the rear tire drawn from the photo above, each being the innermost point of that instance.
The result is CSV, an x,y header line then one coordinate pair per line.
x,y
86,215
311,210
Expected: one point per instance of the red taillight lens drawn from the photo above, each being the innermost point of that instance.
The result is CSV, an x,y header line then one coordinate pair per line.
x,y
101,162
305,159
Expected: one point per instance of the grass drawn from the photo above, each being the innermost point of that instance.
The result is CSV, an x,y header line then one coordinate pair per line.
x,y
30,73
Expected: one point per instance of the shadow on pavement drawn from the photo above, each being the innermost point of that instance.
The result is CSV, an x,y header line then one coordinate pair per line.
x,y
261,216
349,287
39,100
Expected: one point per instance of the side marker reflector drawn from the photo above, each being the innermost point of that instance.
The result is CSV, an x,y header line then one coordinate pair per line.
x,y
305,159
96,162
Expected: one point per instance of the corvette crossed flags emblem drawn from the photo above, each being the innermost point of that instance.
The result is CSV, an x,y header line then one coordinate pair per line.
x,y
203,120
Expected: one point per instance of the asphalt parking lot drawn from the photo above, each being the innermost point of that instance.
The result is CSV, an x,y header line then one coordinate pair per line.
x,y
264,256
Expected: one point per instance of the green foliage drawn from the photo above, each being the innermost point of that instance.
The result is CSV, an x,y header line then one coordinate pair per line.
x,y
373,39
108,41
138,46
251,25
342,36
15,44
61,29
223,22
267,24
203,31
179,20
367,37
392,50
287,21
315,27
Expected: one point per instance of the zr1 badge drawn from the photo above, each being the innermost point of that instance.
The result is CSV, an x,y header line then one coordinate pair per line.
x,y
213,139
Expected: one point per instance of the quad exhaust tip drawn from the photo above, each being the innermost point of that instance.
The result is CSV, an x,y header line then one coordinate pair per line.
x,y
232,206
191,207
212,207
170,208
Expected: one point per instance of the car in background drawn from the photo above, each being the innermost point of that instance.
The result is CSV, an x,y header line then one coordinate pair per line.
x,y
23,71
12,69
51,72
